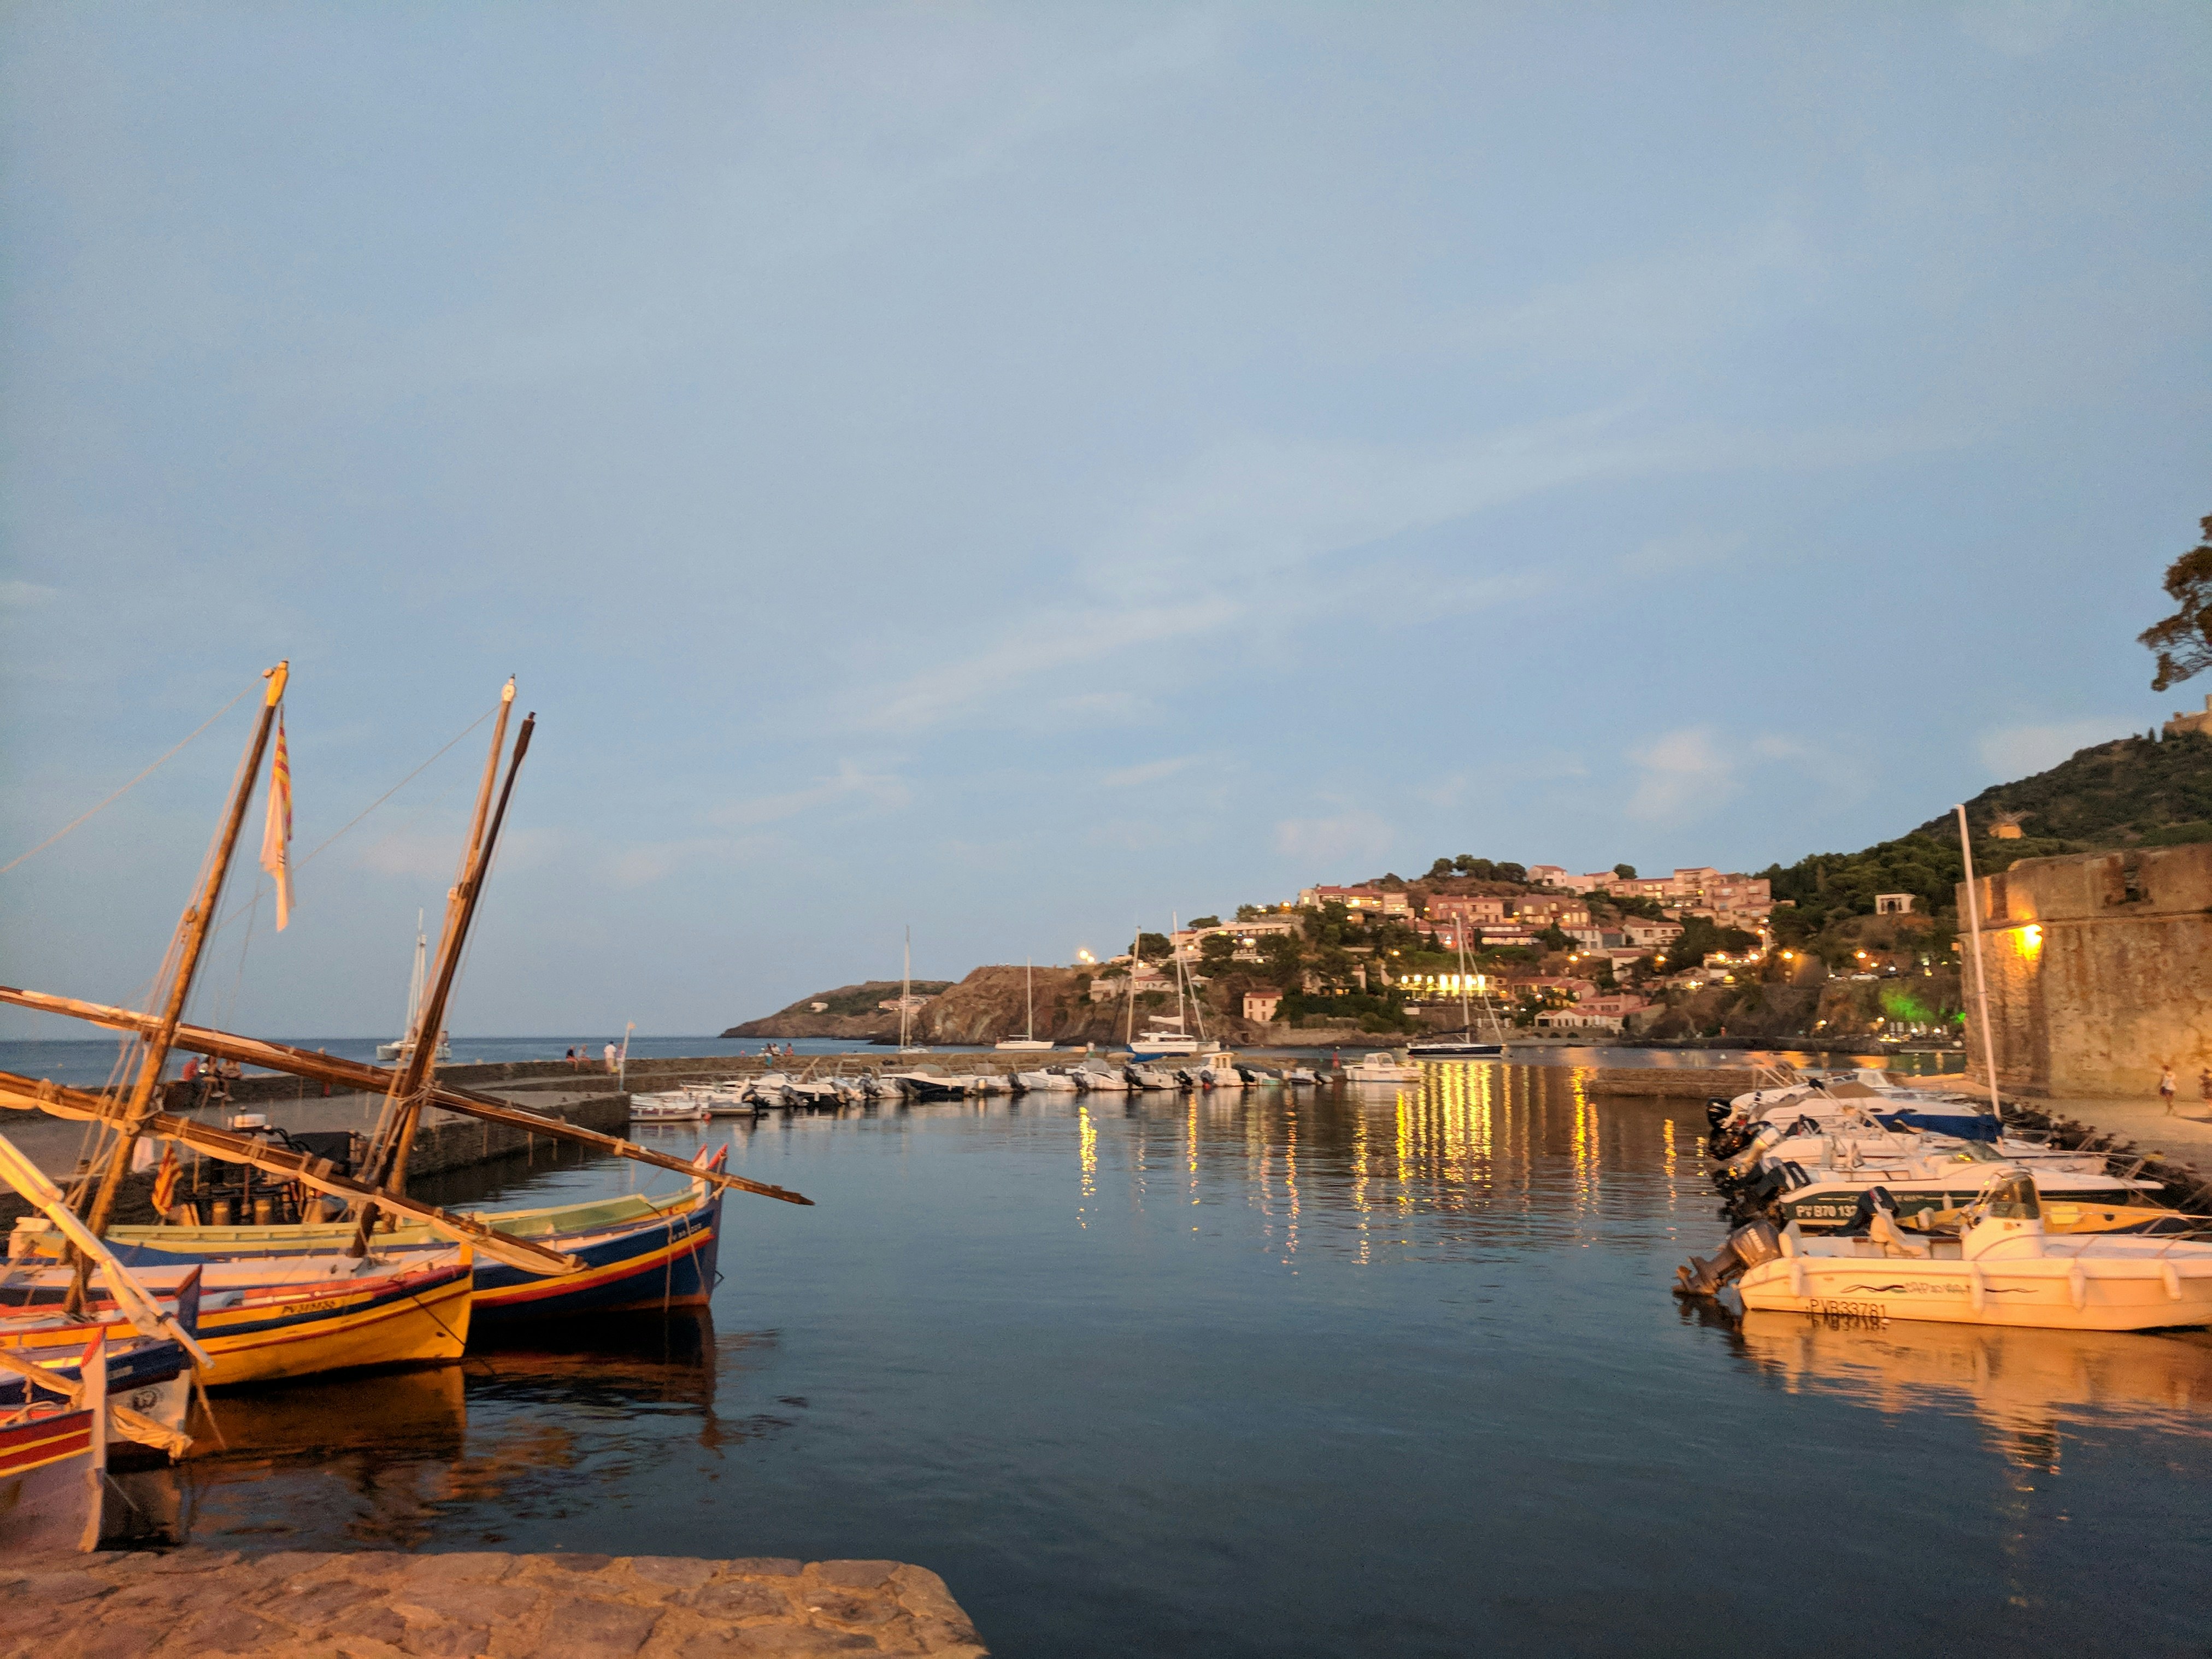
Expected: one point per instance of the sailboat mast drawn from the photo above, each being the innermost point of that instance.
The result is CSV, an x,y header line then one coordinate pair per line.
x,y
1029,998
192,938
415,978
1466,1007
1136,957
906,989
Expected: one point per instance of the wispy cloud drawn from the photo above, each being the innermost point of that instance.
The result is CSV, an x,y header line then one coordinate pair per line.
x,y
1683,769
16,594
1324,842
1129,777
850,786
1668,555
2013,752
643,863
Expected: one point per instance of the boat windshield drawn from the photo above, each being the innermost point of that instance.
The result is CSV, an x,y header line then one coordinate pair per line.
x,y
1976,1151
2012,1198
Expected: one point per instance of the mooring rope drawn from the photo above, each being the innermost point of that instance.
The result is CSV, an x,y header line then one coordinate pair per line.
x,y
124,790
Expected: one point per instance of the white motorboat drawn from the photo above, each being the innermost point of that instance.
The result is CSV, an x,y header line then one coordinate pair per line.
x,y
878,1085
989,1083
928,1082
1299,1075
1096,1076
1046,1082
2001,1267
666,1108
1218,1070
1382,1065
769,1089
817,1094
1151,1077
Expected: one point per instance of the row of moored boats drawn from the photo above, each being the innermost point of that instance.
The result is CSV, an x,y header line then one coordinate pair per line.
x,y
1858,1198
779,1091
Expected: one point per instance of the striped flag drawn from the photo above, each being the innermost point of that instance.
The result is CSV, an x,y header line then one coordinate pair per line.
x,y
165,1180
276,837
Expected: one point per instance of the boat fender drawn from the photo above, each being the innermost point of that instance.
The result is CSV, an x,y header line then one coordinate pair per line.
x,y
2077,1284
1976,1291
1797,1276
2172,1279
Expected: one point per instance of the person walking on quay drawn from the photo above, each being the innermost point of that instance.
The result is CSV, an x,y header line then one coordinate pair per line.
x,y
2165,1089
610,1058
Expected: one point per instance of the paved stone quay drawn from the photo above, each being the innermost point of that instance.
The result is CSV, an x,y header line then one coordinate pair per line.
x,y
384,1605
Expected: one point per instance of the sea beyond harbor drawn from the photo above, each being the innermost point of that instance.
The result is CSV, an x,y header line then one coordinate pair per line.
x,y
1353,1371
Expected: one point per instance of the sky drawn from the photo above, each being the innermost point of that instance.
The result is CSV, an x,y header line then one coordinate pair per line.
x,y
1019,471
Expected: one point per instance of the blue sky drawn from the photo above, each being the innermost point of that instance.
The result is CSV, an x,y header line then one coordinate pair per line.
x,y
1018,469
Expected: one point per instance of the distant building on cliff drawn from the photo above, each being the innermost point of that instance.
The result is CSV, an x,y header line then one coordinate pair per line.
x,y
2198,723
1260,1005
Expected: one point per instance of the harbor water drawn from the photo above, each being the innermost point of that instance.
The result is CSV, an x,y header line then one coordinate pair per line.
x,y
1374,1370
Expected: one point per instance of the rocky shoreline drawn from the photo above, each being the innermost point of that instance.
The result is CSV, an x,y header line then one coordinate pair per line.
x,y
386,1605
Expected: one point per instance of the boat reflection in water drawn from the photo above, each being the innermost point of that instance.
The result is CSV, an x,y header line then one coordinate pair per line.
x,y
379,1461
2024,1384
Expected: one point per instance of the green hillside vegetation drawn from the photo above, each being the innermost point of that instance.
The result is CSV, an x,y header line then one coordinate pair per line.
x,y
2133,791
864,998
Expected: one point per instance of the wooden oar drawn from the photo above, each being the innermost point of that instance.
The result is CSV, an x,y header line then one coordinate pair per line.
x,y
35,1094
376,1079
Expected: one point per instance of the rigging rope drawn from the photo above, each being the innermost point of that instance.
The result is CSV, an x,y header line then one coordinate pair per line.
x,y
124,790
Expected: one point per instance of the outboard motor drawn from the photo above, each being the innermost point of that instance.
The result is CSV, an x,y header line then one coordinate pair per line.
x,y
1862,1221
1745,1158
1747,1246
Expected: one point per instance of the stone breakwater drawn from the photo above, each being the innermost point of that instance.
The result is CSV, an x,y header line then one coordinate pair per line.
x,y
391,1606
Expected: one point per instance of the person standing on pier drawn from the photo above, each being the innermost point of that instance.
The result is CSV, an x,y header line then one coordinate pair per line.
x,y
2165,1089
610,1058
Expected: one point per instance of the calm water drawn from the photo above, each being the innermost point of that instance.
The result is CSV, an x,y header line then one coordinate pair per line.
x,y
1386,1372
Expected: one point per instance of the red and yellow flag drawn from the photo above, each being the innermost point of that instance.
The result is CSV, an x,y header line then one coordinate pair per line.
x,y
165,1180
276,837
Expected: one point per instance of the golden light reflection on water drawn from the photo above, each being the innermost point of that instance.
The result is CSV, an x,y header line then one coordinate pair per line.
x,y
1531,1148
1087,1182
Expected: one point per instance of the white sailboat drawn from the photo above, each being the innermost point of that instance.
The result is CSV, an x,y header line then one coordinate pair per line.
x,y
906,1045
405,1045
1162,1035
1467,1046
1028,1043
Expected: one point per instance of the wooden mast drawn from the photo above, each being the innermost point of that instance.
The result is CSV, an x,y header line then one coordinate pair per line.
x,y
417,1073
192,938
388,1159
407,1079
355,1074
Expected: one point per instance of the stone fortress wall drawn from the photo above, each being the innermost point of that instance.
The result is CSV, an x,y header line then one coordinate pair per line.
x,y
2100,971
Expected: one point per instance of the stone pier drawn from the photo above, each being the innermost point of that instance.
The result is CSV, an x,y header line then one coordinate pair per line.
x,y
377,1605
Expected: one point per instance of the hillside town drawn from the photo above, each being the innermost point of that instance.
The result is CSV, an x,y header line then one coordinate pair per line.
x,y
1603,954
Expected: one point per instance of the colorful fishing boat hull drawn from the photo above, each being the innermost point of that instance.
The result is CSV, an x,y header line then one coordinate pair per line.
x,y
637,1255
649,1267
262,1331
46,1472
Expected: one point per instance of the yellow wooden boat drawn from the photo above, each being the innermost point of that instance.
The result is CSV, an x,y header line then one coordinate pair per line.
x,y
266,1320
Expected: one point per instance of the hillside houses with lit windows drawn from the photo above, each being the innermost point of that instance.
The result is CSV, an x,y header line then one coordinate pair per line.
x,y
1375,901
